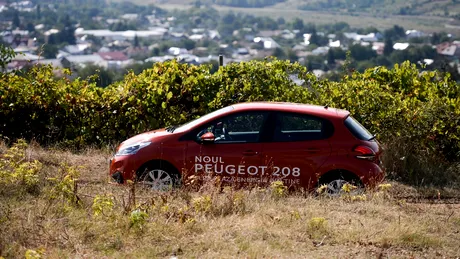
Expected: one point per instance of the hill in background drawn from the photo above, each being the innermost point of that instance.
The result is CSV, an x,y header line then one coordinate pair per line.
x,y
430,16
443,8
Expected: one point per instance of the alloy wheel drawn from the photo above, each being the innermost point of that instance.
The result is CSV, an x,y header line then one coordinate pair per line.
x,y
158,180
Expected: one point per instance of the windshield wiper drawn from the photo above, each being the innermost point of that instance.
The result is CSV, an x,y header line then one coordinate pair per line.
x,y
171,128
373,137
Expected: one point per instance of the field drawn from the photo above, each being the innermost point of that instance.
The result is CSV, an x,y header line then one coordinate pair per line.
x,y
426,15
89,218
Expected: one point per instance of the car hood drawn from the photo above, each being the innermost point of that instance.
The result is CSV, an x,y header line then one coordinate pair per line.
x,y
146,136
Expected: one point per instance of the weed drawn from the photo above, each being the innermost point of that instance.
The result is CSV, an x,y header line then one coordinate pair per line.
x,y
348,187
64,185
278,189
317,227
32,254
361,197
321,189
384,186
137,219
295,215
202,204
102,204
418,240
16,172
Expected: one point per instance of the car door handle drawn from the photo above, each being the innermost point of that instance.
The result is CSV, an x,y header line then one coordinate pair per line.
x,y
250,153
313,150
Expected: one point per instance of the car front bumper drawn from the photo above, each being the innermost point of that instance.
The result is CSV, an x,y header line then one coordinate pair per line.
x,y
121,169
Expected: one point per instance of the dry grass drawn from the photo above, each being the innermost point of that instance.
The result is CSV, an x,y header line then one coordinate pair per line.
x,y
213,224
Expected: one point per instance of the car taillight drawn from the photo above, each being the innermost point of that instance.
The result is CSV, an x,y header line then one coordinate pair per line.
x,y
365,153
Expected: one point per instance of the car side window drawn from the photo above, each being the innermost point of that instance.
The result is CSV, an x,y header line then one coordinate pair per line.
x,y
237,128
298,127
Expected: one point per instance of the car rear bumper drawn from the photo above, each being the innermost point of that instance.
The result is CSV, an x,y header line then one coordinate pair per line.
x,y
372,175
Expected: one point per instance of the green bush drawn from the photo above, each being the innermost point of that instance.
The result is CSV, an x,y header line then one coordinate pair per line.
x,y
402,105
16,171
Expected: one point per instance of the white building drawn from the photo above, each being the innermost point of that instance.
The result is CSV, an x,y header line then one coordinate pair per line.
x,y
400,46
371,37
153,33
267,42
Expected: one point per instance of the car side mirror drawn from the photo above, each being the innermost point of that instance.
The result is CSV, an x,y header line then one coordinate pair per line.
x,y
208,137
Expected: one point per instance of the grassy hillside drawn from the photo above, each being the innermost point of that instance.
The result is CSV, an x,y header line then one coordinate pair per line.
x,y
379,7
61,217
385,7
425,15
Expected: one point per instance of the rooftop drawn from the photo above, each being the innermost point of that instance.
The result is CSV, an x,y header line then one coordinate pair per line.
x,y
292,107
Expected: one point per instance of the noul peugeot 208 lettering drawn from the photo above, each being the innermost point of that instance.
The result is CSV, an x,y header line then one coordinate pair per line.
x,y
255,143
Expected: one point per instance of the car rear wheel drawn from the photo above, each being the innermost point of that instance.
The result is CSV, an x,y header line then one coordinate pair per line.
x,y
335,182
158,178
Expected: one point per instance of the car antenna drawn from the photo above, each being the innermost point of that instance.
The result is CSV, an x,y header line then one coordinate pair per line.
x,y
326,106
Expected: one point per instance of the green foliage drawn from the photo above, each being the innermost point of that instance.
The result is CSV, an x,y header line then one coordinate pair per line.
x,y
102,204
202,204
6,55
422,109
278,189
49,51
317,227
138,219
16,170
33,254
100,75
63,185
361,53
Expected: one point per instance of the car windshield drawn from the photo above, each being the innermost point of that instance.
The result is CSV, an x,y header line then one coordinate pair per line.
x,y
193,123
358,130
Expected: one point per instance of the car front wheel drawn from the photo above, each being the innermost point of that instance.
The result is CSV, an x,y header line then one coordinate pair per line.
x,y
158,179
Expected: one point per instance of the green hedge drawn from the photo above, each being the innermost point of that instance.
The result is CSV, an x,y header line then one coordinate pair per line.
x,y
415,114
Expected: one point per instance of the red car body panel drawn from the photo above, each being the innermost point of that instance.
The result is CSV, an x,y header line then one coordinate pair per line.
x,y
297,163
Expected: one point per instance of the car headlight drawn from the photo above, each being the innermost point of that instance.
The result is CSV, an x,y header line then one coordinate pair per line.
x,y
132,149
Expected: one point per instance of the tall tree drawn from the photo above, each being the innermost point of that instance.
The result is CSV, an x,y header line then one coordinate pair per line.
x,y
279,53
16,20
30,27
330,57
388,48
67,34
314,39
38,12
297,24
136,41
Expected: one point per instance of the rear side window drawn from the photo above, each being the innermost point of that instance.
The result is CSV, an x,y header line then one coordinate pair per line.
x,y
300,127
358,130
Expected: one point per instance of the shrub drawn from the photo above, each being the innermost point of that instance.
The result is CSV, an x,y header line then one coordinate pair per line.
x,y
400,105
102,204
16,171
138,219
317,227
278,189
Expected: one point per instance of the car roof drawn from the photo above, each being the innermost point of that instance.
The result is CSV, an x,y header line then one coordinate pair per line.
x,y
293,107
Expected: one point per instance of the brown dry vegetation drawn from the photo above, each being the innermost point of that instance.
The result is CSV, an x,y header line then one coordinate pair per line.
x,y
212,224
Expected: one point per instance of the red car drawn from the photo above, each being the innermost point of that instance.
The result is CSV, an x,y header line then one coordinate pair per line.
x,y
256,143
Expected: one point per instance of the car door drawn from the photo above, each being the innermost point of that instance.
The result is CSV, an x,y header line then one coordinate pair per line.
x,y
297,149
236,152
